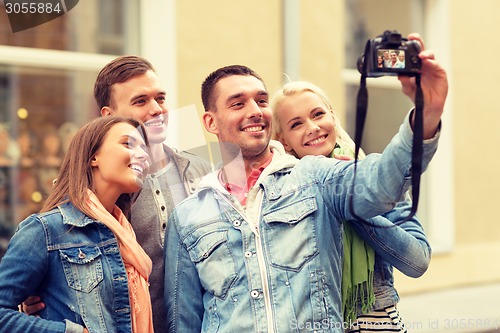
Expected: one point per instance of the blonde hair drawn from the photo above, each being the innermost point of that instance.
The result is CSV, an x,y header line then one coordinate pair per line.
x,y
298,87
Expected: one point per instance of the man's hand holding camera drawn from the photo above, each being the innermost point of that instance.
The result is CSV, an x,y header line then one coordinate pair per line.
x,y
417,62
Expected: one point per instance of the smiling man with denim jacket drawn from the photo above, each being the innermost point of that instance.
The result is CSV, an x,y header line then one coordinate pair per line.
x,y
258,248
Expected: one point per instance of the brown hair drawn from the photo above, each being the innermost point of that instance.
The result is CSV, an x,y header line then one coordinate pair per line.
x,y
75,175
211,80
118,70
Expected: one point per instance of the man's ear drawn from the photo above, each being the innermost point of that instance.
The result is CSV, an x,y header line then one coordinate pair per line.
x,y
106,111
210,123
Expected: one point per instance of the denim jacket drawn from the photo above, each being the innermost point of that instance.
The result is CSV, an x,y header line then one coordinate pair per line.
x,y
403,246
74,264
275,265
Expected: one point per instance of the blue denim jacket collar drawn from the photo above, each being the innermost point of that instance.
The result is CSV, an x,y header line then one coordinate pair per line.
x,y
73,216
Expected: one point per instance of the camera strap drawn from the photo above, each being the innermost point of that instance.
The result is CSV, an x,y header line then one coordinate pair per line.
x,y
417,147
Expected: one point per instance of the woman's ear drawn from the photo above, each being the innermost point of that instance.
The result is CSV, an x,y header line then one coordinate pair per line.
x,y
93,162
210,123
287,147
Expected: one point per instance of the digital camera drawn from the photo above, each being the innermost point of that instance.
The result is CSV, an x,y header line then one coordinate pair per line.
x,y
390,54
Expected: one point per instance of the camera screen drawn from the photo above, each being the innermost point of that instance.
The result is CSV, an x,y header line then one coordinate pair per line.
x,y
389,58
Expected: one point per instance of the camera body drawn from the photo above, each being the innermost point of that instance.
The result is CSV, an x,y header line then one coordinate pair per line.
x,y
391,55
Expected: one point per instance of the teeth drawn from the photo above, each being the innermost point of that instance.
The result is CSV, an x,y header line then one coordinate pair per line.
x,y
154,123
316,141
137,168
253,129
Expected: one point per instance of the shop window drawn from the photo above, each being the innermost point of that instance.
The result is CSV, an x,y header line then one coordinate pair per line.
x,y
44,109
45,101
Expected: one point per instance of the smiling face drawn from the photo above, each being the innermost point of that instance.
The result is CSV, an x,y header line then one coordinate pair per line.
x,y
241,115
141,98
120,164
394,57
307,125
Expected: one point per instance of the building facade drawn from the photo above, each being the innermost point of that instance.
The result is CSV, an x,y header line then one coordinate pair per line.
x,y
47,74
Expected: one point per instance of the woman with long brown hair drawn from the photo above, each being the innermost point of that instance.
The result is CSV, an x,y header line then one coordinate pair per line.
x,y
79,253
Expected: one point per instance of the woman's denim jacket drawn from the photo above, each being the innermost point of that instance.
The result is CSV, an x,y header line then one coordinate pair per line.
x,y
74,264
403,246
222,274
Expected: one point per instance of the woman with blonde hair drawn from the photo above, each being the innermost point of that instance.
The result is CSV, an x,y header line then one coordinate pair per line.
x,y
305,123
79,253
294,88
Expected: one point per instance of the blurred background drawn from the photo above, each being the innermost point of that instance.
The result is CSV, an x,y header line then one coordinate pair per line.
x,y
47,75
